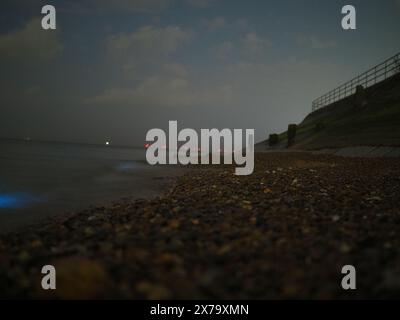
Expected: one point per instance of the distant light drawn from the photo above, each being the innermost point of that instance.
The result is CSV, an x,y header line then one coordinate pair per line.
x,y
107,143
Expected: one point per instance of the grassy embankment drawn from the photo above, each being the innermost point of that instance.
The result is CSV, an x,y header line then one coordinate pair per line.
x,y
343,124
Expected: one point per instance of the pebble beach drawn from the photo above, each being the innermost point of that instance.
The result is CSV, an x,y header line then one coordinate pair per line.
x,y
284,232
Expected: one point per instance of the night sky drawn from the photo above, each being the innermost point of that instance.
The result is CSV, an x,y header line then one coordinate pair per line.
x,y
115,69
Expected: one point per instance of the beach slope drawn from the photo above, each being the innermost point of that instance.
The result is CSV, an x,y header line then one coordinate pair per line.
x,y
284,232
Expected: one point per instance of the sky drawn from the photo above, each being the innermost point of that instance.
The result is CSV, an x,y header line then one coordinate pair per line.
x,y
115,69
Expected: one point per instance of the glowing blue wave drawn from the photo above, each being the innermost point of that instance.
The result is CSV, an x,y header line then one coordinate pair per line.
x,y
16,200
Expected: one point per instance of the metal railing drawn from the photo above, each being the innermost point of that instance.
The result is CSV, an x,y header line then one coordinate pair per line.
x,y
374,75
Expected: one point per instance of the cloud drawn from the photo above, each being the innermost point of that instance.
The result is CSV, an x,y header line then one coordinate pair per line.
x,y
148,42
30,42
200,3
214,24
147,57
108,6
225,50
145,5
115,6
166,92
242,23
261,88
131,5
246,47
173,86
254,43
314,43
126,6
175,69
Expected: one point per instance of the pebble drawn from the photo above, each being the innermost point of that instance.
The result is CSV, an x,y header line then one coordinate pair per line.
x,y
217,235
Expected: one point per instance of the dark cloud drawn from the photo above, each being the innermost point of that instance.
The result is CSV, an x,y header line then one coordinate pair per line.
x,y
29,43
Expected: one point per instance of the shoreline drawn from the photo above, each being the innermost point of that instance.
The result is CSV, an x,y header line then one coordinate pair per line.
x,y
152,182
284,232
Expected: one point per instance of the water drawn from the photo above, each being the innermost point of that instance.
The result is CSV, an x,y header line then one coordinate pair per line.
x,y
40,179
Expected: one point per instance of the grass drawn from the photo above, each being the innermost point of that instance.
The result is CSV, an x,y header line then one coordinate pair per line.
x,y
378,123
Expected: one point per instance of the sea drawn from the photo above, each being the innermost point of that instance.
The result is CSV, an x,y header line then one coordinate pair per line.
x,y
42,179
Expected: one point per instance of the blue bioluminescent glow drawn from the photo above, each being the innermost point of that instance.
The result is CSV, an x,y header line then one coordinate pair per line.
x,y
126,166
16,200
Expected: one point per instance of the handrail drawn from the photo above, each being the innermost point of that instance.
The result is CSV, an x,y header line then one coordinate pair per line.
x,y
374,75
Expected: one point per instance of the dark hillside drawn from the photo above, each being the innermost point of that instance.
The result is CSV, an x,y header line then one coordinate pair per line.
x,y
344,124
